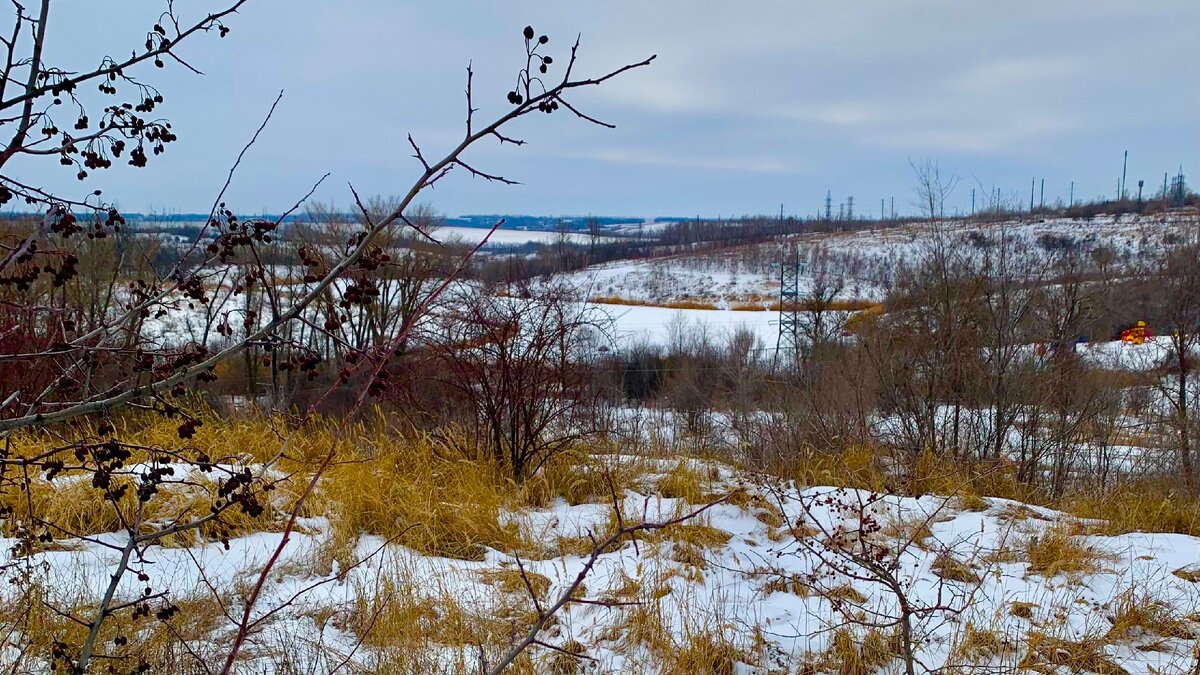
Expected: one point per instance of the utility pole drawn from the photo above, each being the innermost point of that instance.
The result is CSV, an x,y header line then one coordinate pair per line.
x,y
1072,202
882,213
894,203
1042,197
972,201
1124,166
1032,185
828,205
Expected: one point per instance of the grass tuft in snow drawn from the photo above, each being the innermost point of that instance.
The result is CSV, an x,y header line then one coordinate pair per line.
x,y
1055,551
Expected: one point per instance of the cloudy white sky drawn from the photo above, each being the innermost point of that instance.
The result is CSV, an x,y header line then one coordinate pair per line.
x,y
749,104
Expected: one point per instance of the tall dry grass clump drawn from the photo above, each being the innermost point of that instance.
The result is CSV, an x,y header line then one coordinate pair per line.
x,y
413,625
1056,550
177,636
421,493
1142,507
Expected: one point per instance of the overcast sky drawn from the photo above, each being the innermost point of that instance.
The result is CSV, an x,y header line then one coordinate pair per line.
x,y
749,104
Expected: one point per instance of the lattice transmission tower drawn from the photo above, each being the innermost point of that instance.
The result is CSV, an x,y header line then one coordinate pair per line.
x,y
791,315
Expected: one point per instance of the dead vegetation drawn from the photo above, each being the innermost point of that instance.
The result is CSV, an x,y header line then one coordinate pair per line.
x,y
855,653
946,566
1044,653
1054,551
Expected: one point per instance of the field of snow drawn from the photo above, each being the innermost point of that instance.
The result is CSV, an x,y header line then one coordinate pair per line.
x,y
864,261
632,324
506,237
770,578
674,280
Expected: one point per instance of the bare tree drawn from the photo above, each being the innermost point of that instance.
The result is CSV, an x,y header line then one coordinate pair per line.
x,y
932,187
70,363
522,365
1180,288
855,537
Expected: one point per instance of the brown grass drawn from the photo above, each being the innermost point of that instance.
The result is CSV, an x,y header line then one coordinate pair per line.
x,y
980,645
684,482
123,641
851,653
1137,615
946,566
412,629
845,593
704,654
1084,656
694,534
578,478
1144,507
1056,551
1190,575
787,583
1022,610
847,305
71,507
567,661
751,306
631,302
423,495
513,581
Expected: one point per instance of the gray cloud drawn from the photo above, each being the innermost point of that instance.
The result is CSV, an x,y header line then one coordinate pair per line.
x,y
748,105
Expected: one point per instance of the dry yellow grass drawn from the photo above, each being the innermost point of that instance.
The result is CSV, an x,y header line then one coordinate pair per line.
x,y
950,568
977,645
513,580
123,641
700,651
971,502
849,305
1056,551
422,495
673,304
704,654
684,482
69,506
853,467
1045,652
1144,507
1022,610
845,593
409,628
1139,615
567,661
852,653
579,478
901,531
783,583
751,306
694,534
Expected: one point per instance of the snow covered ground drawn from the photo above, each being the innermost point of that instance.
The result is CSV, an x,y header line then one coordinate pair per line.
x,y
865,261
770,577
632,324
507,237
